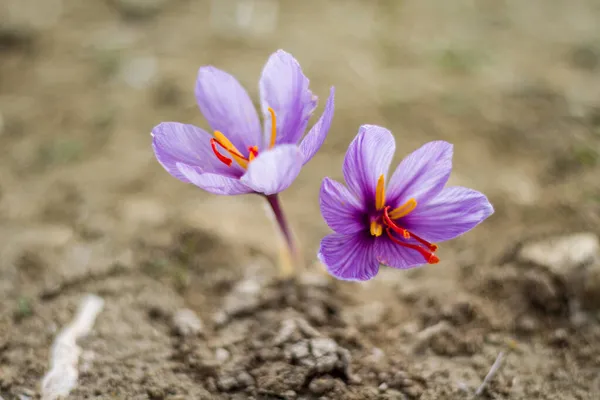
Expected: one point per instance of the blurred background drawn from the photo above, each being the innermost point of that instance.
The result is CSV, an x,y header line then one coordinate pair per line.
x,y
84,206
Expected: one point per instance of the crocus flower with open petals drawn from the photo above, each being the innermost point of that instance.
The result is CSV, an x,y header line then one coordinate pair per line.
x,y
393,226
239,157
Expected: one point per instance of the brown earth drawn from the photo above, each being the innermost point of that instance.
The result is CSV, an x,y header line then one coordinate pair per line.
x,y
85,208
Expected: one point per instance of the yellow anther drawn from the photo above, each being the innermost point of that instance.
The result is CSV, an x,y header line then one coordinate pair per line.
x,y
376,229
380,193
231,149
273,127
403,210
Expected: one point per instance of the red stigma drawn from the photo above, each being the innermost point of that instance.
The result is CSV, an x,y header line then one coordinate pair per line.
x,y
388,221
426,252
225,160
253,150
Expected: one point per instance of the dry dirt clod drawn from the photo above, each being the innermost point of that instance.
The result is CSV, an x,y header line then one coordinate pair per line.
x,y
543,292
320,386
306,328
236,381
288,327
572,265
187,323
322,346
243,298
227,383
424,337
562,253
279,377
297,351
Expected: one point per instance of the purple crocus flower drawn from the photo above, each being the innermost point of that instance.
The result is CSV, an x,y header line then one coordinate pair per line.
x,y
240,157
393,226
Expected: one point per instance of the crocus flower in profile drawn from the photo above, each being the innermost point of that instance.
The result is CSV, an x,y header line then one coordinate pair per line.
x,y
240,157
394,225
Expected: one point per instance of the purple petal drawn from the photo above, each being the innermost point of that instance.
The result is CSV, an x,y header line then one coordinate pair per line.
x,y
340,209
316,136
396,256
227,107
213,183
274,170
180,143
456,210
284,88
422,175
368,157
349,257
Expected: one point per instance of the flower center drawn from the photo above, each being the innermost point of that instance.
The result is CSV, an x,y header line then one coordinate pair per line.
x,y
386,219
220,140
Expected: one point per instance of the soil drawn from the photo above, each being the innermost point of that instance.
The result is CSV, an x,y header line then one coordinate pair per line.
x,y
194,306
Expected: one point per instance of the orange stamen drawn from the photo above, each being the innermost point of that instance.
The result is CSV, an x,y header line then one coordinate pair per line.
x,y
380,193
429,257
376,229
231,149
404,209
273,127
253,150
225,160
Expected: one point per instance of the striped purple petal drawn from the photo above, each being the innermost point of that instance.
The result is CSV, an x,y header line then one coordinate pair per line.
x,y
227,107
453,212
284,88
368,156
314,139
421,175
213,183
340,209
392,255
181,143
349,257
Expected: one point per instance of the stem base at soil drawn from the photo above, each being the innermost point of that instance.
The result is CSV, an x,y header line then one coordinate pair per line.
x,y
289,256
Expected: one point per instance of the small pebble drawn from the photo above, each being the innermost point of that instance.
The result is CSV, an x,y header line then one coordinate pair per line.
x,y
187,323
221,355
245,379
227,383
527,324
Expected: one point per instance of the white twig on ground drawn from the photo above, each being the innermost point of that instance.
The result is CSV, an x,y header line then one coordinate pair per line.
x,y
493,370
63,373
